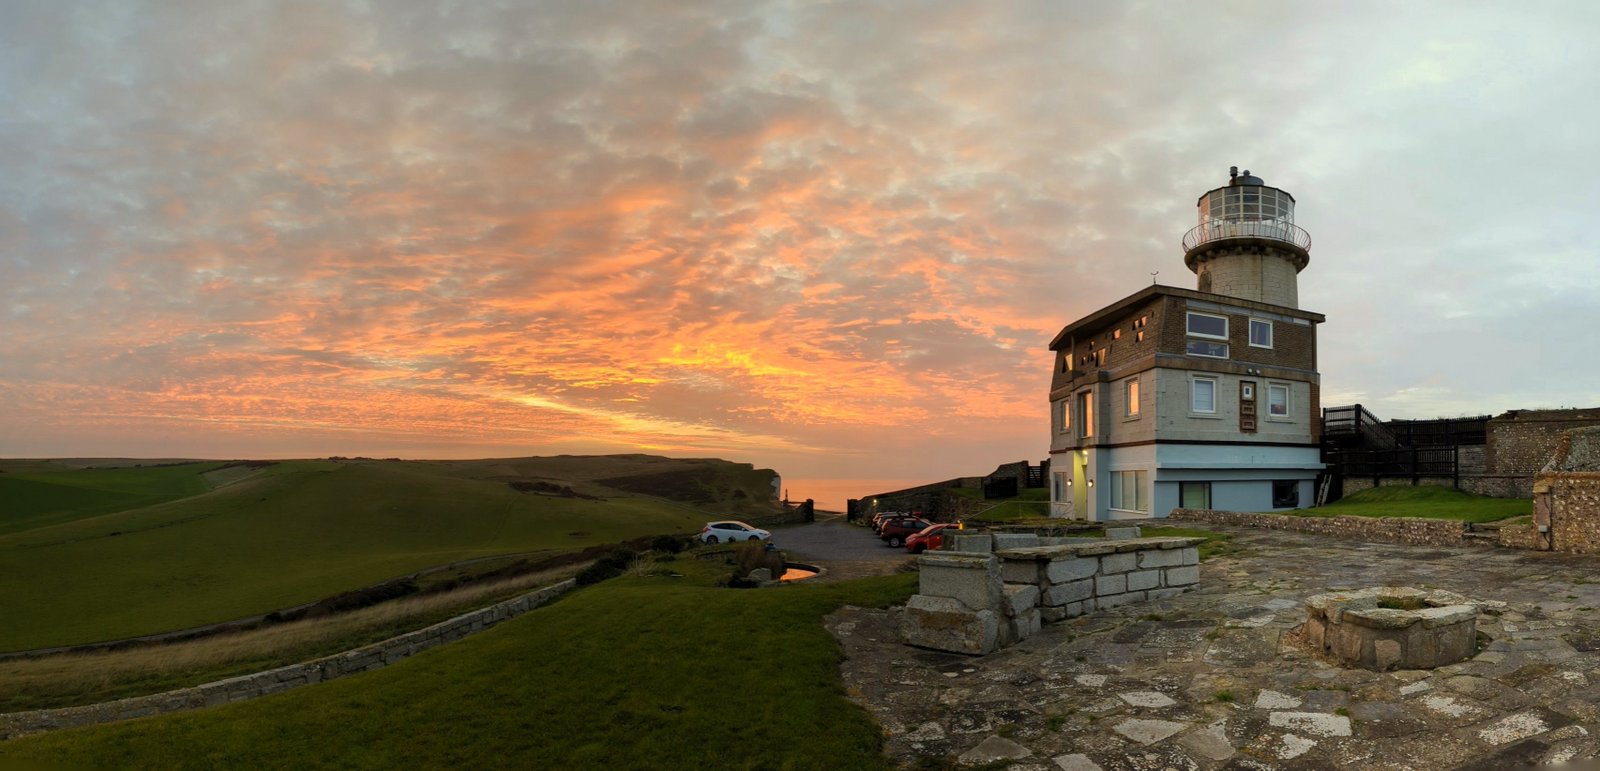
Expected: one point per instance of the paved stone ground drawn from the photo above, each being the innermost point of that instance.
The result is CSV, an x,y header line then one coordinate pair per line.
x,y
1212,679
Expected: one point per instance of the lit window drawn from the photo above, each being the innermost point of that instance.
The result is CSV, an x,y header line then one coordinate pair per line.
x,y
1130,398
1203,395
1261,333
1278,401
1086,414
1100,357
1063,415
1207,325
1128,491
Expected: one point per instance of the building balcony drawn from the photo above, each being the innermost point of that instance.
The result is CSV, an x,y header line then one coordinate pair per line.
x,y
1261,230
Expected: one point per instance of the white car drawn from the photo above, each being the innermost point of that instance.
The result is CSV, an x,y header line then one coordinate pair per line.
x,y
729,531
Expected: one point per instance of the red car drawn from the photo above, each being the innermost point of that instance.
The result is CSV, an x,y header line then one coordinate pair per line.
x,y
930,537
895,530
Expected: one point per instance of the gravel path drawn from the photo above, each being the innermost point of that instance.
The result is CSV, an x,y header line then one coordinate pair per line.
x,y
846,551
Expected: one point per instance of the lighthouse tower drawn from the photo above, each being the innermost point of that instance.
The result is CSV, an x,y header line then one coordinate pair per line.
x,y
1247,244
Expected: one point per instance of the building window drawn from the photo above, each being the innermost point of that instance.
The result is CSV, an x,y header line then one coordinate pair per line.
x,y
1059,488
1208,349
1063,413
1260,333
1138,337
1130,398
1086,414
1207,325
1194,495
1203,395
1285,494
1128,491
1277,400
1100,357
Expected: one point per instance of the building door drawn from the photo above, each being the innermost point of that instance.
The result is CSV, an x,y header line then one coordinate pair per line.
x,y
1080,487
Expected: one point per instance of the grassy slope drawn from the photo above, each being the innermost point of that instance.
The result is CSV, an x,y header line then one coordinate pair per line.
x,y
1425,502
38,495
650,672
295,532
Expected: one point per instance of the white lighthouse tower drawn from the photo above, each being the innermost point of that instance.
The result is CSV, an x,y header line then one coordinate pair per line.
x,y
1247,244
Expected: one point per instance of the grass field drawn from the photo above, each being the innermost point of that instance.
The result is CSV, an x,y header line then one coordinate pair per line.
x,y
1424,502
36,494
303,530
638,672
87,678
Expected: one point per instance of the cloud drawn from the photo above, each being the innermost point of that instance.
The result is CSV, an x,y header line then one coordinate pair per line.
x,y
799,234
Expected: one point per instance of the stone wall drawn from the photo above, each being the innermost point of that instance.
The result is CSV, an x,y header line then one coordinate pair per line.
x,y
1424,532
247,687
1498,485
1574,509
1521,441
973,602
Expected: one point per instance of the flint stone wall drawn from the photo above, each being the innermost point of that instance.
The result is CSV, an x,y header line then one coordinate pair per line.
x,y
245,687
1423,532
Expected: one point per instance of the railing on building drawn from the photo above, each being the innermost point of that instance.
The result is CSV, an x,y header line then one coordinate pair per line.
x,y
1223,230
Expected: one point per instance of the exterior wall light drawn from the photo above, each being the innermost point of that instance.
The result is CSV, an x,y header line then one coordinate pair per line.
x,y
1091,483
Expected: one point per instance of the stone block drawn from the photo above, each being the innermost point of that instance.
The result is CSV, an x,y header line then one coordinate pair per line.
x,y
1021,572
1023,626
1144,579
1161,594
977,543
1058,571
1020,598
1191,556
1109,585
1119,563
1121,533
973,579
1161,558
1189,574
944,623
1051,614
1076,609
1061,594
1015,540
1113,600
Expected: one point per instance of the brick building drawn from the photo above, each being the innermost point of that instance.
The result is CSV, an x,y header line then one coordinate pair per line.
x,y
1202,399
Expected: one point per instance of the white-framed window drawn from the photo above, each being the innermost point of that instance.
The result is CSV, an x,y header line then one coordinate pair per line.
x,y
1086,413
1063,415
1207,325
1277,400
1128,491
1203,395
1130,398
1208,349
1260,333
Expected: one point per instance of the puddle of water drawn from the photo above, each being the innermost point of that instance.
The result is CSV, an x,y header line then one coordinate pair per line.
x,y
793,572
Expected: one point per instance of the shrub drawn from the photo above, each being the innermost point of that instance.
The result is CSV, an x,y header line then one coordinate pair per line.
x,y
609,566
751,555
666,544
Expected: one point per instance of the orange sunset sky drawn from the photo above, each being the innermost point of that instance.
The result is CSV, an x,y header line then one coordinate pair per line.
x,y
833,239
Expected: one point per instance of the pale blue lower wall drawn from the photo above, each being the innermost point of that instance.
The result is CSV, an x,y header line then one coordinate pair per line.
x,y
1241,476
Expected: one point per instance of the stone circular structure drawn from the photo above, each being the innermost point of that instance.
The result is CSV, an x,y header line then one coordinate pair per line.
x,y
1392,627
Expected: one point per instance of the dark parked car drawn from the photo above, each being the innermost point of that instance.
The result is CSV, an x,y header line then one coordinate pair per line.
x,y
895,530
930,537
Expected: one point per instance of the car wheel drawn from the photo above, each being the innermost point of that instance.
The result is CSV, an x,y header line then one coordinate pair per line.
x,y
711,539
755,538
896,541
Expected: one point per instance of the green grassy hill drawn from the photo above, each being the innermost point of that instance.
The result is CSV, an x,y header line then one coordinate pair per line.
x,y
36,494
297,532
639,672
